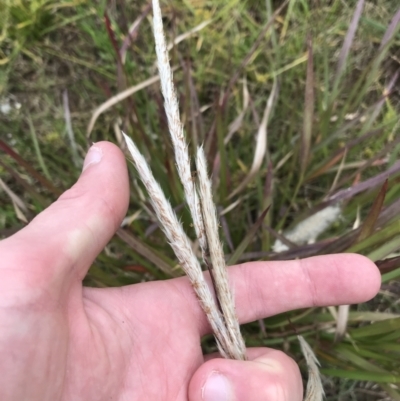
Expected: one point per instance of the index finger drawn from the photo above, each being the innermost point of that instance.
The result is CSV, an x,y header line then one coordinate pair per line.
x,y
263,289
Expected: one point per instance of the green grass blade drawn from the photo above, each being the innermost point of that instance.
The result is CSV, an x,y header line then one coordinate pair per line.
x,y
374,329
144,250
37,148
247,239
369,224
362,375
308,118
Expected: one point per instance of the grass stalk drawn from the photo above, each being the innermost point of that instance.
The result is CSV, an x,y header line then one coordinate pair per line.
x,y
218,271
176,128
37,149
314,391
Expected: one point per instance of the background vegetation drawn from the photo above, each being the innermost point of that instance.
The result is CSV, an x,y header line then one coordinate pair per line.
x,y
301,106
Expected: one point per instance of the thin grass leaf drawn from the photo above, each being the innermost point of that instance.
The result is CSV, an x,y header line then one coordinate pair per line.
x,y
371,72
225,229
121,78
327,165
76,60
362,375
308,118
385,250
276,60
235,125
371,316
13,196
389,213
117,99
188,34
30,189
113,40
378,328
338,154
339,172
77,160
267,199
198,130
390,276
369,224
379,237
288,16
372,116
287,244
37,148
193,106
391,30
388,265
28,167
378,159
19,206
101,277
221,160
367,184
261,142
355,358
144,250
342,60
247,239
385,338
132,33
348,41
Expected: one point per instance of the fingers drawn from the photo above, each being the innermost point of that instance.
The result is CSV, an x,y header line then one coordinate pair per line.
x,y
268,375
62,241
266,288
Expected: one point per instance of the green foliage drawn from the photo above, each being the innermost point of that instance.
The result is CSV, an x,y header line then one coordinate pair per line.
x,y
25,26
332,136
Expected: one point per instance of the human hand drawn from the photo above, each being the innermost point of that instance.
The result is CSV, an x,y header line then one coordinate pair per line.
x,y
61,341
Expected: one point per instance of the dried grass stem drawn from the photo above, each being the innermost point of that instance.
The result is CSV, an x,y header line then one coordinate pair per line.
x,y
176,129
219,272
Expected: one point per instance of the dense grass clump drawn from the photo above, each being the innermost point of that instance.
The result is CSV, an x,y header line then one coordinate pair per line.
x,y
297,105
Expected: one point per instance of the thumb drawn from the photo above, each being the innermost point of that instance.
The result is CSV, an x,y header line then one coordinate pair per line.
x,y
62,241
269,375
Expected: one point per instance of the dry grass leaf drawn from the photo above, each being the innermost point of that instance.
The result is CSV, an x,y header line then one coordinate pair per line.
x,y
314,391
261,142
116,99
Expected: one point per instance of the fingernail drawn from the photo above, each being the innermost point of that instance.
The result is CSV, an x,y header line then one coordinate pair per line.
x,y
217,388
94,156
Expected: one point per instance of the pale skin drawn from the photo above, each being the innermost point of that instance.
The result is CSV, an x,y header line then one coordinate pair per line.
x,y
61,341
